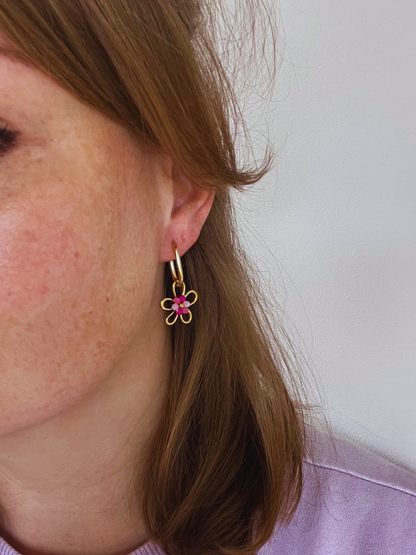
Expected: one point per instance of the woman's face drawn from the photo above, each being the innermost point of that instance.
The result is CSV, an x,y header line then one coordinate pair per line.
x,y
81,224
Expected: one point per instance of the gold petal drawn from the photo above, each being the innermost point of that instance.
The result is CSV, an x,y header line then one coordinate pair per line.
x,y
163,302
174,320
189,319
196,297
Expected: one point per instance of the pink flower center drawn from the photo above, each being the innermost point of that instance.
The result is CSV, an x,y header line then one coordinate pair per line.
x,y
180,305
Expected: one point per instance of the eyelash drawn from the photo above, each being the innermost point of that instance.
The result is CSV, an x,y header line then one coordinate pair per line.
x,y
7,140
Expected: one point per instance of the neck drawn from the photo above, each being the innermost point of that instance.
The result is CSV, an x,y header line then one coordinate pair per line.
x,y
64,482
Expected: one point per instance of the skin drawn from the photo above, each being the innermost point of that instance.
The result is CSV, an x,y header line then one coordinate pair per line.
x,y
87,221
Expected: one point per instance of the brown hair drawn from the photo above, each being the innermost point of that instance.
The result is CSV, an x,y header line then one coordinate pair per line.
x,y
225,465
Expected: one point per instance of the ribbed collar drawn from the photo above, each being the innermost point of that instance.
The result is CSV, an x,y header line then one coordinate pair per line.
x,y
148,548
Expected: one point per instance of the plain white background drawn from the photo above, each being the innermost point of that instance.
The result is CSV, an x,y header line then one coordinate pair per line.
x,y
333,226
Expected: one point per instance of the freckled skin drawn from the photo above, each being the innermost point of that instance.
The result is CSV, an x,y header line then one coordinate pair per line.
x,y
87,220
67,232
84,350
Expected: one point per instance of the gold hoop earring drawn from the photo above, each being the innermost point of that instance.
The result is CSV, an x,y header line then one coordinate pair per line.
x,y
179,304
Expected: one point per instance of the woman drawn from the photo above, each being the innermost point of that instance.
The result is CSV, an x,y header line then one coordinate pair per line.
x,y
145,403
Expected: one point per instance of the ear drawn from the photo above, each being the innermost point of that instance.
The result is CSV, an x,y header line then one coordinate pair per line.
x,y
189,209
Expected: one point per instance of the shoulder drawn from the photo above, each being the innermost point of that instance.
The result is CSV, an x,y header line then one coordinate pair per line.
x,y
353,503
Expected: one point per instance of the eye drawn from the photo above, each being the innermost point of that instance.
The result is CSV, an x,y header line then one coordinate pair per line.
x,y
7,140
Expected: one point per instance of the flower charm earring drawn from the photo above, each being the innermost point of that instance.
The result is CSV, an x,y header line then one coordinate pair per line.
x,y
180,304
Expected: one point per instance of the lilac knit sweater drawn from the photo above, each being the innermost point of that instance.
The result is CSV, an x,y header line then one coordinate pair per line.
x,y
365,506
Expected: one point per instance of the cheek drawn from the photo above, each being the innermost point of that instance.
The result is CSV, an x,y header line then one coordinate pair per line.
x,y
61,324
37,263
